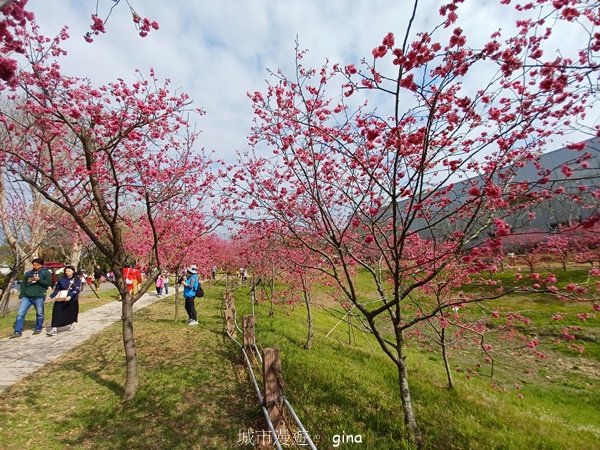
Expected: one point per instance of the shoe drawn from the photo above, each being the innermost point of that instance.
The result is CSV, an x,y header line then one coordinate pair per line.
x,y
16,334
37,331
71,327
193,322
52,332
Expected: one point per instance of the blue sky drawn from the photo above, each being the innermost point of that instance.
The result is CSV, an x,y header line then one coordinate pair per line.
x,y
217,51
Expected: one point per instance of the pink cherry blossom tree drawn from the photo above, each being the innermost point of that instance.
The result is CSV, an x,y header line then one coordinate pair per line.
x,y
260,251
222,253
183,236
424,179
558,246
98,153
15,16
528,247
303,270
269,255
584,240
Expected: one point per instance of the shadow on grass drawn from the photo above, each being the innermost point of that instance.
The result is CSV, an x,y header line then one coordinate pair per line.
x,y
192,413
191,393
102,359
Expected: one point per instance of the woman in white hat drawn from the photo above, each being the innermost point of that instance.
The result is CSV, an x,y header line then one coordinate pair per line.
x,y
190,286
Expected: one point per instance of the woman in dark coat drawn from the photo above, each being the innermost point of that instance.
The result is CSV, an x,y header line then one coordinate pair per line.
x,y
66,301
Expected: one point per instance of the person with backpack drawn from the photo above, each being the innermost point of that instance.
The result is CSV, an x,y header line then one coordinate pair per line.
x,y
191,285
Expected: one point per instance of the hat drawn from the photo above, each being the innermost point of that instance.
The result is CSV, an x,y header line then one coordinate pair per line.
x,y
193,269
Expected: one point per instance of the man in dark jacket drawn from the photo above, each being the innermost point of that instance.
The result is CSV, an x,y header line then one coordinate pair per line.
x,y
33,292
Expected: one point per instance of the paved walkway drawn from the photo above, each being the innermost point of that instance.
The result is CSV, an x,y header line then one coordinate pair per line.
x,y
20,357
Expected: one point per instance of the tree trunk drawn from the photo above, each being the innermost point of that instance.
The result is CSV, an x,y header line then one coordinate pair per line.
x,y
351,339
252,294
75,253
176,302
176,297
272,306
410,421
446,362
5,296
131,381
309,323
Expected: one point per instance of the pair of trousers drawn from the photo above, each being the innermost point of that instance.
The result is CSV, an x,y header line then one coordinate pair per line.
x,y
26,303
190,307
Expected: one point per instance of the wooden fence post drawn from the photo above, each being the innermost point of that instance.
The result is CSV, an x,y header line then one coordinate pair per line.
x,y
273,385
248,327
230,314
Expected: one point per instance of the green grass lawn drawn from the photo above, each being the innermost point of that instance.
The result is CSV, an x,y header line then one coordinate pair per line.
x,y
194,391
540,309
346,385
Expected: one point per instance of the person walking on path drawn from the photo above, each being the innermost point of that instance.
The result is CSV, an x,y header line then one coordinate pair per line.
x,y
33,292
66,301
190,286
133,277
160,283
82,279
166,283
98,276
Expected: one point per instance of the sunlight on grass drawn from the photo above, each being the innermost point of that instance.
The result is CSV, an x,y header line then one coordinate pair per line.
x,y
194,391
359,387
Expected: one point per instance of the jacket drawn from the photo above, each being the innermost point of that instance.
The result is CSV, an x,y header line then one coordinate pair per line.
x,y
73,285
37,289
190,286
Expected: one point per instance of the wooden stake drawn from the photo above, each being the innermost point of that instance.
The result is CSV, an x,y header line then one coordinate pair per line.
x,y
230,320
273,385
248,327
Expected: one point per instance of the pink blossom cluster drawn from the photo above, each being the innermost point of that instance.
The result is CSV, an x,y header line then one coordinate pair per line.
x,y
143,24
14,17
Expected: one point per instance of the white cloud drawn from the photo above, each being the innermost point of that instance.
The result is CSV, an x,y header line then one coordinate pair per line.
x,y
217,51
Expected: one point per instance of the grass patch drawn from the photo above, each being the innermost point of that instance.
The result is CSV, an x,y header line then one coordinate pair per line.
x,y
341,388
191,393
194,391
